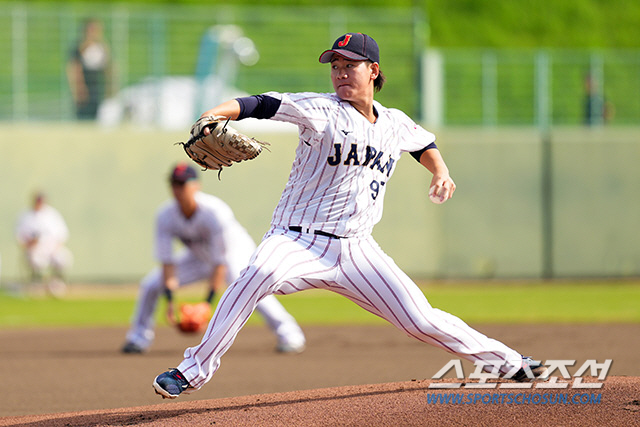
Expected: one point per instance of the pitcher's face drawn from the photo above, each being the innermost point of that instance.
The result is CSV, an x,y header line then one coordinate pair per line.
x,y
353,80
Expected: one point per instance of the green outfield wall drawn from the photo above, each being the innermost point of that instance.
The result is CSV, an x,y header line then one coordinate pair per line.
x,y
512,216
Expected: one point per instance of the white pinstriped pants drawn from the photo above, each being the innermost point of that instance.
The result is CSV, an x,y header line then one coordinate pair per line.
x,y
288,262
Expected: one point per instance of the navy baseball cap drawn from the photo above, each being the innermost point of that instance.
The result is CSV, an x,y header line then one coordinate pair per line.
x,y
354,46
182,173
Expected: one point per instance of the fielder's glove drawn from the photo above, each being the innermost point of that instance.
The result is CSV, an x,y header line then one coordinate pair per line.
x,y
222,147
194,317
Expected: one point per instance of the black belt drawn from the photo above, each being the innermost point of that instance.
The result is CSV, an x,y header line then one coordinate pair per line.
x,y
298,229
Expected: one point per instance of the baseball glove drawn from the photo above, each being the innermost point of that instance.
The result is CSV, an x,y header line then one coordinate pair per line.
x,y
222,147
194,317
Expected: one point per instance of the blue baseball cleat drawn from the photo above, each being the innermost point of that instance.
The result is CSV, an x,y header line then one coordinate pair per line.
x,y
170,384
132,348
531,370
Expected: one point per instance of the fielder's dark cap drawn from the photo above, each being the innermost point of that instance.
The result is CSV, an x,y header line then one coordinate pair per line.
x,y
354,46
39,196
182,173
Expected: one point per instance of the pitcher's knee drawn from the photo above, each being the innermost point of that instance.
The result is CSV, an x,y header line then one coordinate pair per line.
x,y
417,329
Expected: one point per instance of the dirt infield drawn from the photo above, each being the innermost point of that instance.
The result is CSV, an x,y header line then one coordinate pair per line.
x,y
351,375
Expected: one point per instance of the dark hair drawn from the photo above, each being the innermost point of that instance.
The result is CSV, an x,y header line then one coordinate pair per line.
x,y
379,81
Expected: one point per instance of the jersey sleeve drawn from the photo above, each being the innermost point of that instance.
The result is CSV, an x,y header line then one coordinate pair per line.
x,y
309,111
412,136
163,239
24,230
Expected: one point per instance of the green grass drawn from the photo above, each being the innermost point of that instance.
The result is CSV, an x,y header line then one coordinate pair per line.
x,y
597,302
81,312
557,302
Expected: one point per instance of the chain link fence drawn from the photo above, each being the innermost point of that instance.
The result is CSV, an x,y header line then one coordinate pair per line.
x,y
186,58
170,52
544,87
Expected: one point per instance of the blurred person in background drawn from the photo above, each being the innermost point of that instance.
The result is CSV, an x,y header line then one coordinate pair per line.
x,y
42,234
89,70
216,249
597,109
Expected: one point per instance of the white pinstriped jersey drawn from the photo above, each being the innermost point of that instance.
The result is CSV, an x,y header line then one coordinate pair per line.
x,y
343,162
49,228
212,233
45,224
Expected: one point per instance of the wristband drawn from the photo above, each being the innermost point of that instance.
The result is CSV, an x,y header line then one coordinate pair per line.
x,y
212,293
169,294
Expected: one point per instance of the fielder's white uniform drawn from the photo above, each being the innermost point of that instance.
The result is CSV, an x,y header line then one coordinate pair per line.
x,y
212,236
337,185
49,228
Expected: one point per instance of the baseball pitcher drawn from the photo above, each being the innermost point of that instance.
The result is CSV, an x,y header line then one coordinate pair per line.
x,y
320,235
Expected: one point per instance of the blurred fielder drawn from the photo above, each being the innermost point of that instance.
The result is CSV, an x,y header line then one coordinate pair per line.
x,y
42,233
216,249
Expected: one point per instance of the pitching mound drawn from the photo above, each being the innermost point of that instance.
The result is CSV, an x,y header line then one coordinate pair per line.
x,y
407,403
78,377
